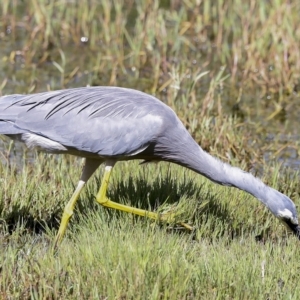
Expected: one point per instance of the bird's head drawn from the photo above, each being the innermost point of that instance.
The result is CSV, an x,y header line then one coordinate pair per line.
x,y
284,209
290,220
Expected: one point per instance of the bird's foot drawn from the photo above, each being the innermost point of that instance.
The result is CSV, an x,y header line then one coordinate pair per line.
x,y
172,218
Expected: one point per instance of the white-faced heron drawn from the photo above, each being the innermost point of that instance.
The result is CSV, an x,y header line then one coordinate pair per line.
x,y
108,124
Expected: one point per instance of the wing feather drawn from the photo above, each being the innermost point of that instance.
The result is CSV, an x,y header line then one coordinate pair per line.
x,y
102,120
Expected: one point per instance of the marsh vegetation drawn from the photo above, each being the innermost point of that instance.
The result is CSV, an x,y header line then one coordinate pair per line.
x,y
230,69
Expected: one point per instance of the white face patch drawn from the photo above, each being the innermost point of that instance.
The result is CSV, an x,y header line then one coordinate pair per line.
x,y
288,215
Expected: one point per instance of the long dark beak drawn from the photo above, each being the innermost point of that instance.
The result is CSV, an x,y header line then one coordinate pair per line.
x,y
293,227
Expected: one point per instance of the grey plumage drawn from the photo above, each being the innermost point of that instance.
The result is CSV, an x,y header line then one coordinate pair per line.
x,y
122,124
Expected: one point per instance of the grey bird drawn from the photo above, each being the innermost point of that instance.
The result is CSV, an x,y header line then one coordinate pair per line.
x,y
110,124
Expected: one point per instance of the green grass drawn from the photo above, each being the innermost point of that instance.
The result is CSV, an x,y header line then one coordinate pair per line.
x,y
237,250
258,42
230,69
112,258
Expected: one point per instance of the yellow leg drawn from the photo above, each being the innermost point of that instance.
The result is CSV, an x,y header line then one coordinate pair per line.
x,y
89,168
103,200
68,212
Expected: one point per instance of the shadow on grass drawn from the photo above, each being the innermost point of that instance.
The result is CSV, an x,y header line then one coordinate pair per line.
x,y
198,206
194,203
29,222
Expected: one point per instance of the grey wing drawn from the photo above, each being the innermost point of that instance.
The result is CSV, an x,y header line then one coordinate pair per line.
x,y
7,117
101,120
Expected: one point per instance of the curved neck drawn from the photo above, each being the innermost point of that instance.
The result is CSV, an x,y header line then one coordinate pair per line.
x,y
190,155
222,173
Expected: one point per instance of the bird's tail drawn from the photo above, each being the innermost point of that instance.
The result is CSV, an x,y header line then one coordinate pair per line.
x,y
8,116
